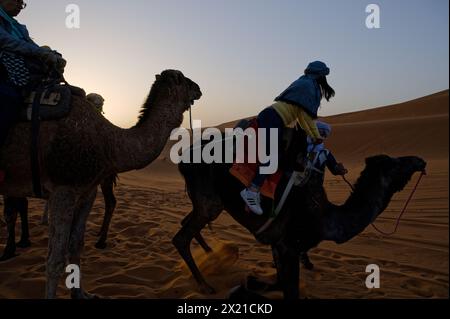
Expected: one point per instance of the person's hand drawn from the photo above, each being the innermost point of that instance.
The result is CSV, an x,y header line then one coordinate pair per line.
x,y
53,59
48,56
340,169
61,64
318,141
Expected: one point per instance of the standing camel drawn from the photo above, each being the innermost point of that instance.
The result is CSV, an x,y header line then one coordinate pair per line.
x,y
307,217
14,206
80,151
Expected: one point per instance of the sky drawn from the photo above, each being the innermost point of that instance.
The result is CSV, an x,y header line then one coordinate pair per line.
x,y
243,53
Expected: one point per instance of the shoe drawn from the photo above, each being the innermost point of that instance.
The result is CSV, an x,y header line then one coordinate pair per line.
x,y
2,176
253,201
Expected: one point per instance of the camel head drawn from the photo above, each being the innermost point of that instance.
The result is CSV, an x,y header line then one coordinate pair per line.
x,y
379,181
176,89
382,177
394,172
173,94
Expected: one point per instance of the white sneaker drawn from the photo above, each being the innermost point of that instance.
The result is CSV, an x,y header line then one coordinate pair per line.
x,y
253,201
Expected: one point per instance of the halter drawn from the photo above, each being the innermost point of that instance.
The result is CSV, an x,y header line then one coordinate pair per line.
x,y
403,210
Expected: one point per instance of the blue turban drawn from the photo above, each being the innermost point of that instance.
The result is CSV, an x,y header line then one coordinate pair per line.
x,y
324,128
317,67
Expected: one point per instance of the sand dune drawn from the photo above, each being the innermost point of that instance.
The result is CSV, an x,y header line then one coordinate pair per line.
x,y
140,261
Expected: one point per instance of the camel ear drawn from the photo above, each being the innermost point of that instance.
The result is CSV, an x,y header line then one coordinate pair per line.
x,y
157,76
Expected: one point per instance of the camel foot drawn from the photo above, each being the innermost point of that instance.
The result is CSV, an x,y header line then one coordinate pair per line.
x,y
100,245
24,243
243,294
206,289
7,256
81,294
256,284
308,265
44,219
306,262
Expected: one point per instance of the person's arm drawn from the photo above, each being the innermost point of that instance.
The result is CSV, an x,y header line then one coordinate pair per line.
x,y
10,44
335,167
308,125
28,48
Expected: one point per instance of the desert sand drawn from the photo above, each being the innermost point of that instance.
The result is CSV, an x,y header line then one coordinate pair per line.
x,y
141,262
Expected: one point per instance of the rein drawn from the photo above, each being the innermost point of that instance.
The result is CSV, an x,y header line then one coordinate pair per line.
x,y
190,120
402,212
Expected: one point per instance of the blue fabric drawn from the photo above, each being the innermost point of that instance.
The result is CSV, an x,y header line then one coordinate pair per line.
x,y
324,128
317,67
8,91
267,119
330,162
16,27
304,93
10,43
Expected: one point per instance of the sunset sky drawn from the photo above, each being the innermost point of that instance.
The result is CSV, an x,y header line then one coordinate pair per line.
x,y
243,53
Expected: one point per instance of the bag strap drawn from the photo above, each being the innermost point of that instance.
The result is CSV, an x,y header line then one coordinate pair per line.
x,y
35,126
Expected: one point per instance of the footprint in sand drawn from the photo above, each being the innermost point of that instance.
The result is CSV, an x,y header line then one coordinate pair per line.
x,y
421,288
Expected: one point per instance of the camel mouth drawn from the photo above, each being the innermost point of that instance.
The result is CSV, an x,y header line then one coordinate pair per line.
x,y
422,167
196,97
414,163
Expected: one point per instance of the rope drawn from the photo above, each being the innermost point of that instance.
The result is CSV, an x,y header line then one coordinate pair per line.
x,y
397,224
348,183
190,120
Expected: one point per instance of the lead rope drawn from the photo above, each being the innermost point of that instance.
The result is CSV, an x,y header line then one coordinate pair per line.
x,y
190,120
403,211
192,132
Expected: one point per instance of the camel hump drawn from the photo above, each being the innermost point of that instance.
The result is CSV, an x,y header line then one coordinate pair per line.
x,y
77,91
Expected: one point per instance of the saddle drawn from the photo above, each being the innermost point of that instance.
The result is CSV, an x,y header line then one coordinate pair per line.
x,y
49,101
54,102
245,172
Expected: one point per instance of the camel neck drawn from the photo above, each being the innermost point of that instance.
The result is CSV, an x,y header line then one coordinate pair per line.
x,y
138,146
360,210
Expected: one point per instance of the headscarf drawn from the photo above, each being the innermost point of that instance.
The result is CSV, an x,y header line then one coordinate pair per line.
x,y
15,26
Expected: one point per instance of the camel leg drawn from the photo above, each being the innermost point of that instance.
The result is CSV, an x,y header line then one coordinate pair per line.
x,y
10,213
182,242
110,204
76,244
288,270
22,207
62,205
199,238
306,262
44,220
256,284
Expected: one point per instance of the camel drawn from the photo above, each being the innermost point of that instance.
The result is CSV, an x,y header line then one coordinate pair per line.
x,y
307,217
107,187
14,206
80,151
